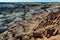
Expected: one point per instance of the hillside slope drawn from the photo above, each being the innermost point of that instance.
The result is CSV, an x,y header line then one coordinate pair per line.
x,y
42,27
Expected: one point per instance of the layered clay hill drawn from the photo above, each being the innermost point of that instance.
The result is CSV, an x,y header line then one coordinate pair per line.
x,y
44,26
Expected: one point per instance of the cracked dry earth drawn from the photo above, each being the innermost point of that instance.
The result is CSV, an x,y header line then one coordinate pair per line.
x,y
36,28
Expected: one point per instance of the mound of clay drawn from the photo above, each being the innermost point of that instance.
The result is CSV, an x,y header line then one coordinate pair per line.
x,y
46,27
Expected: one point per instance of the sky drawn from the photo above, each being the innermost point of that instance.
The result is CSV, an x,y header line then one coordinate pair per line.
x,y
29,0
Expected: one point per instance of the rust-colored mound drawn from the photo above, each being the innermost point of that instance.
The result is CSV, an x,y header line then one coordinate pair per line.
x,y
36,28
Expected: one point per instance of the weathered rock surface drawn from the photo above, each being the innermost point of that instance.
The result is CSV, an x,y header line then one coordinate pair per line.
x,y
10,12
44,26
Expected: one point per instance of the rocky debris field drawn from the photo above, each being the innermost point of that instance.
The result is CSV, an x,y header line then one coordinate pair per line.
x,y
30,21
41,26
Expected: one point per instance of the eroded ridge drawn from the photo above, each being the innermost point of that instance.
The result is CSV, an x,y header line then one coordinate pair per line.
x,y
36,28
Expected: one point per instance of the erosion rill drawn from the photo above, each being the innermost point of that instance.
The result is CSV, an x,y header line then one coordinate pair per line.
x,y
42,27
